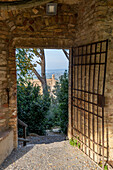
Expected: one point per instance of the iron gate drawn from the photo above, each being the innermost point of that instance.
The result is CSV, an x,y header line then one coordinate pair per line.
x,y
88,71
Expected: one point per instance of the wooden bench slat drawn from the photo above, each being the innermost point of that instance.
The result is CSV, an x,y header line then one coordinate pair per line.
x,y
20,122
23,140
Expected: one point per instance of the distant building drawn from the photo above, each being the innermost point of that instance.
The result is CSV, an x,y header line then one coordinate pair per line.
x,y
50,82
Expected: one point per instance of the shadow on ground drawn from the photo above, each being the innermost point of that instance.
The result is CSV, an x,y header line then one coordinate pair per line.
x,y
21,151
46,139
15,155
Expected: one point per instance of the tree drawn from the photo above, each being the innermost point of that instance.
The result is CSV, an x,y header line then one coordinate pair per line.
x,y
40,55
66,52
25,68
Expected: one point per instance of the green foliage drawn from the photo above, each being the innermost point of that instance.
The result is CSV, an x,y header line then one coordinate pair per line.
x,y
53,118
23,63
100,164
105,166
62,98
58,113
32,107
74,142
71,142
79,145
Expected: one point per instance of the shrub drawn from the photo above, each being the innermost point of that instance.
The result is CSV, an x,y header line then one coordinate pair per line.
x,y
58,113
32,107
62,97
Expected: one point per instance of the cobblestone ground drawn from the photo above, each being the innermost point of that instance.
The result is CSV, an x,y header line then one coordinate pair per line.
x,y
55,154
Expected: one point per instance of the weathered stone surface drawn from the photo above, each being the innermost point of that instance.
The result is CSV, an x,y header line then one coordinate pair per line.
x,y
6,144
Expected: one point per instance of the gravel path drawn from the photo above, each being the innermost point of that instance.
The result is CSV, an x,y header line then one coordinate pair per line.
x,y
56,154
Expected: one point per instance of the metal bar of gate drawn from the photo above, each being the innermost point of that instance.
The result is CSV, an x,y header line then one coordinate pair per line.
x,y
81,97
71,91
102,105
77,88
93,100
74,91
89,74
97,104
84,101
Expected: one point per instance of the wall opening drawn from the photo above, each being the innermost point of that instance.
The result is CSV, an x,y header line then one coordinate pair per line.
x,y
45,112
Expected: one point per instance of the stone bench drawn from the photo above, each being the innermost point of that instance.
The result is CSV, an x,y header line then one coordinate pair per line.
x,y
6,144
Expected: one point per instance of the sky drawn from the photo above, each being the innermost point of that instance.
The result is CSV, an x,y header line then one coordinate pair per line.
x,y
55,59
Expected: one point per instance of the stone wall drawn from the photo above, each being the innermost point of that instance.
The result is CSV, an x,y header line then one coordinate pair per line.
x,y
105,31
42,30
4,110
